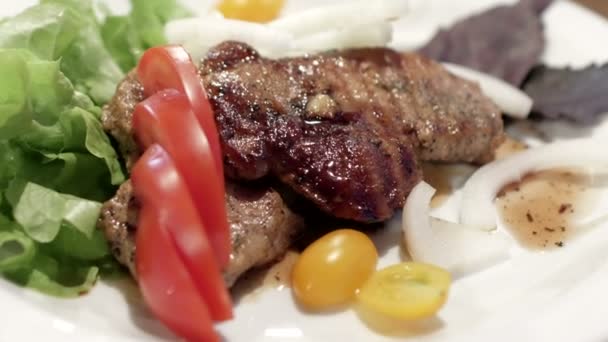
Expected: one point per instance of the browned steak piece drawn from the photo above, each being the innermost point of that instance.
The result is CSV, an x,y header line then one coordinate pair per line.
x,y
118,221
345,129
262,227
117,114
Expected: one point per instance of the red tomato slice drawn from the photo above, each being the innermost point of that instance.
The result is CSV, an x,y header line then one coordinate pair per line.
x,y
170,67
159,187
166,285
166,118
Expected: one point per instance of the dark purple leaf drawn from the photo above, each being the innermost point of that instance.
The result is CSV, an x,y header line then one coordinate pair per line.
x,y
505,41
538,5
577,95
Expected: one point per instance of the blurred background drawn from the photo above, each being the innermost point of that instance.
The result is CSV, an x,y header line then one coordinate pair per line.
x,y
600,6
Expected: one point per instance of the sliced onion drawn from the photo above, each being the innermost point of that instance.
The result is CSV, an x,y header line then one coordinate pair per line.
x,y
378,34
509,99
458,248
198,35
338,16
480,190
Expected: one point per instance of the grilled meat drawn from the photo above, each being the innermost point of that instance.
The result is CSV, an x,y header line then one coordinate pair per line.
x,y
118,221
116,118
318,123
344,129
262,227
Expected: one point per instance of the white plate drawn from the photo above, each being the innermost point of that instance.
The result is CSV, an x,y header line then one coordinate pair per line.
x,y
542,297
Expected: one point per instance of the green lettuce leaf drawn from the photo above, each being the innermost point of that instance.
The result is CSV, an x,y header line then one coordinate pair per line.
x,y
16,249
67,267
127,37
45,30
56,165
41,211
66,31
77,282
11,162
59,63
61,278
45,114
122,40
150,17
73,243
14,114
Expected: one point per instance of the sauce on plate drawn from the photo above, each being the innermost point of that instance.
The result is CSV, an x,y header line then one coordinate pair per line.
x,y
276,276
279,275
445,178
540,210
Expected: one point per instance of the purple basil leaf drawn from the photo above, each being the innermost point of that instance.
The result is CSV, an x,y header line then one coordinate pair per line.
x,y
577,95
538,5
505,41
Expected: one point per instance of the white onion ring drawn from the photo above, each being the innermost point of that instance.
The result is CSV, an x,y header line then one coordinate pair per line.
x,y
509,99
458,248
199,34
480,190
377,34
339,16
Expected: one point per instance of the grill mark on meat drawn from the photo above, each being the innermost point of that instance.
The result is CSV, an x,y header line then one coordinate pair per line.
x,y
420,109
417,109
351,100
381,168
393,186
291,139
384,80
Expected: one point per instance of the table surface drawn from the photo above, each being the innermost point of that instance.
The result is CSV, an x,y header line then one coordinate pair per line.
x,y
600,6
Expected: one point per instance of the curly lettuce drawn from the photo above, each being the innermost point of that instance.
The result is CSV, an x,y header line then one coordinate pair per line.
x,y
60,61
66,31
127,37
56,162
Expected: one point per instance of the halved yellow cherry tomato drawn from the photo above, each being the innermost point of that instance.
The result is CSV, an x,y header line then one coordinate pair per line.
x,y
260,11
406,291
331,269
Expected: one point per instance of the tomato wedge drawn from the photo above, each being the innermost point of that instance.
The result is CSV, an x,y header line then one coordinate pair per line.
x,y
165,283
170,67
166,118
159,187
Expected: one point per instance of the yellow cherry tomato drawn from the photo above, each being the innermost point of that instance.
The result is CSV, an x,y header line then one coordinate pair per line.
x,y
406,291
251,10
331,269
